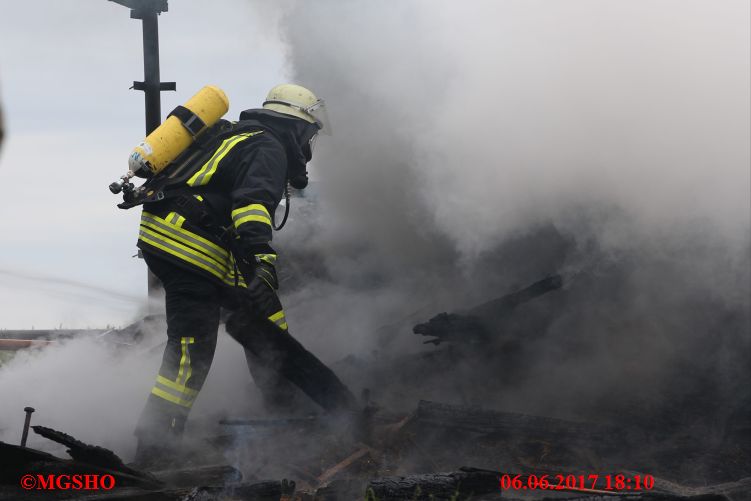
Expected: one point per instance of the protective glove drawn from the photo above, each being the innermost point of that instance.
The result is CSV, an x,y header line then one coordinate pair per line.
x,y
263,284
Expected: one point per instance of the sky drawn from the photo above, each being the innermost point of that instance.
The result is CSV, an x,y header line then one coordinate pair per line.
x,y
71,121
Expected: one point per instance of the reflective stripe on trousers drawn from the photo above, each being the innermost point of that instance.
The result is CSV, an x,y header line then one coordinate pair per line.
x,y
177,391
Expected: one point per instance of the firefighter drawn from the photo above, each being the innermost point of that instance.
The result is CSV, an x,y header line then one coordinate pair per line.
x,y
208,242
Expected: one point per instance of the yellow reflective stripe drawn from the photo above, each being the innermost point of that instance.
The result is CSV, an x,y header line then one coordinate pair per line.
x,y
182,252
230,278
276,316
252,207
185,368
184,242
199,197
279,319
207,170
176,391
231,281
269,258
252,212
247,219
175,218
171,398
178,387
187,237
204,174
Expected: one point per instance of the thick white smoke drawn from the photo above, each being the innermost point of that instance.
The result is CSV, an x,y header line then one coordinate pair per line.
x,y
481,145
94,388
501,114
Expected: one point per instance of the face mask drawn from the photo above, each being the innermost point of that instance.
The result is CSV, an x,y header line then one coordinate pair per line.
x,y
298,175
299,182
308,141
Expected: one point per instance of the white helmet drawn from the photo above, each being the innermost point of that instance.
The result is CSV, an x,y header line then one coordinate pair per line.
x,y
297,101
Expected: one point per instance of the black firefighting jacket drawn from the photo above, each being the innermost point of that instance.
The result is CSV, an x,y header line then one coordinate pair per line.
x,y
227,201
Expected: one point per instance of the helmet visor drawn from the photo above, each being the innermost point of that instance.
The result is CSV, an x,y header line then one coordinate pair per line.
x,y
318,111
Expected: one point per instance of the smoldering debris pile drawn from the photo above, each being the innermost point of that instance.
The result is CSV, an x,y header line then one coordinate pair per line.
x,y
385,459
431,450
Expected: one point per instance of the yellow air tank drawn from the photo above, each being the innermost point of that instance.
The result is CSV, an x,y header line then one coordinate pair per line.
x,y
174,135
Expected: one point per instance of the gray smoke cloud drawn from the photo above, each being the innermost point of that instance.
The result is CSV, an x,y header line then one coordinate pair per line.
x,y
476,121
479,146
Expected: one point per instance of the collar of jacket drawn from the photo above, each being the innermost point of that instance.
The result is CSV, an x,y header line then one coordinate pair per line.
x,y
294,134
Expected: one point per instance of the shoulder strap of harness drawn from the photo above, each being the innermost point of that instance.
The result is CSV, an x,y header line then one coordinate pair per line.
x,y
166,184
171,177
192,122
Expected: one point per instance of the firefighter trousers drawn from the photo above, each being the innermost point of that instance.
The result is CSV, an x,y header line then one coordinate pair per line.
x,y
193,304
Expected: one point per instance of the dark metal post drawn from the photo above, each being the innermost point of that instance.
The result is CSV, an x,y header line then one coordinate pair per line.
x,y
151,82
152,87
26,423
148,11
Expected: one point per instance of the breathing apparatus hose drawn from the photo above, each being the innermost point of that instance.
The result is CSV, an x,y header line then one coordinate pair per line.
x,y
286,209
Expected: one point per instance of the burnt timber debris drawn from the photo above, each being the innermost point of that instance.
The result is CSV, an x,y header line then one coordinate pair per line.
x,y
462,484
91,454
387,469
478,325
427,450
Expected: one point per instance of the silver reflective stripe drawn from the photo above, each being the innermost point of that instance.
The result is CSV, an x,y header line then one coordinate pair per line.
x,y
210,251
214,268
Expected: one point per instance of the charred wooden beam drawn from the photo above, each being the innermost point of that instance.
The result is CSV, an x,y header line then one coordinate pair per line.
x,y
453,327
342,489
92,454
486,421
268,490
434,486
271,423
472,326
203,475
16,461
506,304
734,490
